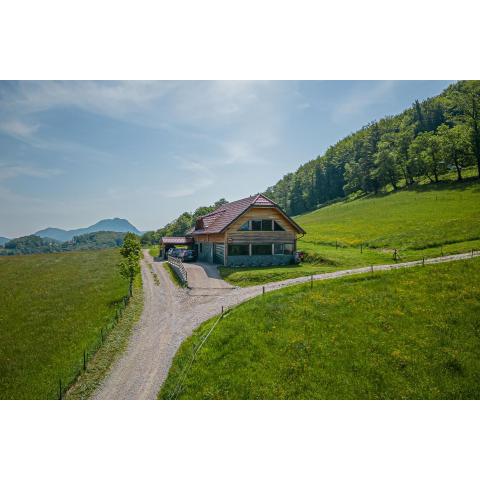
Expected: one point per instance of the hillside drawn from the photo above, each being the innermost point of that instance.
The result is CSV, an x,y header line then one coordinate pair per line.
x,y
404,334
106,225
433,137
53,307
419,221
412,219
3,241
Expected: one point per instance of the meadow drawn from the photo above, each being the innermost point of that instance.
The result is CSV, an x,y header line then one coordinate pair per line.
x,y
422,221
405,334
54,306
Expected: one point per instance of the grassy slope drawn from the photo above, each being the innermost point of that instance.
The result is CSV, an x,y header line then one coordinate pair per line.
x,y
426,221
427,216
53,307
413,333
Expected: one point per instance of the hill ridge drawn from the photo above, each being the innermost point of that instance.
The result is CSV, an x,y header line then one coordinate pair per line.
x,y
115,224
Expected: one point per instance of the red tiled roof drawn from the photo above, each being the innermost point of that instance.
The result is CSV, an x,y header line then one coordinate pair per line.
x,y
177,240
218,220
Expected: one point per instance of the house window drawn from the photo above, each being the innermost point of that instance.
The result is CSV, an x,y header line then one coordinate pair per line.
x,y
200,247
288,248
238,250
261,226
266,225
277,227
278,249
265,249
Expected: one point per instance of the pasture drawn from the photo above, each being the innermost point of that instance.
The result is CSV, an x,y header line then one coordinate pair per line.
x,y
405,334
424,221
53,307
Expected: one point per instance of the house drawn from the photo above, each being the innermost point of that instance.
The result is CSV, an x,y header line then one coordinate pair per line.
x,y
252,231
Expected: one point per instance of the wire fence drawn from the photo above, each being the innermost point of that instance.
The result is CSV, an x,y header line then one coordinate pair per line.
x,y
65,381
178,386
396,254
179,269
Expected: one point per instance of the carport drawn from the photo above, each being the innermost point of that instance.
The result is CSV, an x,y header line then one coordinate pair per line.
x,y
170,242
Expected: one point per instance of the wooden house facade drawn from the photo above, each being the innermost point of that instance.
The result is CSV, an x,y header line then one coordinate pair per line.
x,y
253,231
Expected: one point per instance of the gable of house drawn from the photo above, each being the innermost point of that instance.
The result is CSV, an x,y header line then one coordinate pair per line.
x,y
227,215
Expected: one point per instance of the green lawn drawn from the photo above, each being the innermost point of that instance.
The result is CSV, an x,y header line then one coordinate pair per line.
x,y
426,221
407,334
53,307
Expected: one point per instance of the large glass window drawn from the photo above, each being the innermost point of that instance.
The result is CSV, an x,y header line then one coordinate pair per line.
x,y
278,249
267,225
238,250
288,248
262,249
277,227
262,225
256,225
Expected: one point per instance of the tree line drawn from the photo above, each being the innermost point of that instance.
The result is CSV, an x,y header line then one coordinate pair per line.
x,y
89,241
431,138
180,225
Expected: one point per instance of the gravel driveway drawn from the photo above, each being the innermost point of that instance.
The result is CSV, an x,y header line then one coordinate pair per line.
x,y
171,314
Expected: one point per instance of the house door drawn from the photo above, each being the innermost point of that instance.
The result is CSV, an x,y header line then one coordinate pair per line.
x,y
218,253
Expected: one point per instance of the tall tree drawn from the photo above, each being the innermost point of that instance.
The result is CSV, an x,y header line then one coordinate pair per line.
x,y
130,251
425,152
387,170
455,146
466,104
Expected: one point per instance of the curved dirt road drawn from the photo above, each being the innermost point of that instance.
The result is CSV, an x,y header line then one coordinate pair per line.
x,y
171,314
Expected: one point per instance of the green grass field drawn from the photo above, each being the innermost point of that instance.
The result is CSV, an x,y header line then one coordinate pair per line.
x,y
115,343
406,334
426,221
53,307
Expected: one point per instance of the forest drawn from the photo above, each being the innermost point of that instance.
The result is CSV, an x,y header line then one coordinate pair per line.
x,y
433,137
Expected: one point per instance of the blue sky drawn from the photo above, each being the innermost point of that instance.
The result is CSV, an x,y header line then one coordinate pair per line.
x,y
72,153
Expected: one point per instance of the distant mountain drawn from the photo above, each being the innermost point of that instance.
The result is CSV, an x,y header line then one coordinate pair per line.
x,y
3,241
107,225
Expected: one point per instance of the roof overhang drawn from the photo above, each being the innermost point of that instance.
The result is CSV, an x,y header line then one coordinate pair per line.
x,y
177,240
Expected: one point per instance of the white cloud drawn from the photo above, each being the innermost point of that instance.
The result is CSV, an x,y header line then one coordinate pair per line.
x,y
18,129
10,170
